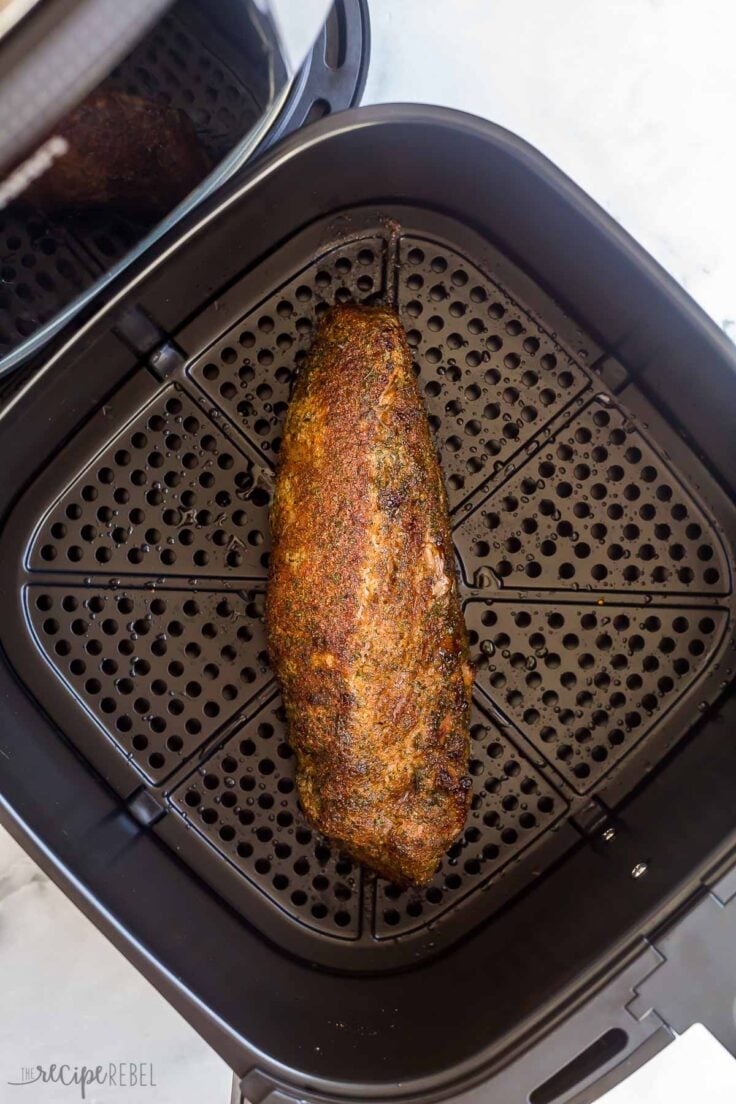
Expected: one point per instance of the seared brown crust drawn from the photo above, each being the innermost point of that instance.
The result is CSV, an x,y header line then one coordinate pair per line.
x,y
365,629
124,151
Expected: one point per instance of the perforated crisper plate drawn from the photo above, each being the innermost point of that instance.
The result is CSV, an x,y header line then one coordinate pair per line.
x,y
597,584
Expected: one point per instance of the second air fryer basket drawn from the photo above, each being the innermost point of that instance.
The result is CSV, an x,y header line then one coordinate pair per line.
x,y
594,554
219,74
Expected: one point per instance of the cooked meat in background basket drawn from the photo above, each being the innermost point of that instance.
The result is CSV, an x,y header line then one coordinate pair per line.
x,y
124,151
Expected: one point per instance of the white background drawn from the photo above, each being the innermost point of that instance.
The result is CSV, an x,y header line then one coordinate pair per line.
x,y
635,100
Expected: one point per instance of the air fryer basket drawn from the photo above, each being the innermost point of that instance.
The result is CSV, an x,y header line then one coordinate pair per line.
x,y
594,548
216,71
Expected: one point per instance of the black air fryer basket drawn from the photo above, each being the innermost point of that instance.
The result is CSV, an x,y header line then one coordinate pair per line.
x,y
582,408
216,64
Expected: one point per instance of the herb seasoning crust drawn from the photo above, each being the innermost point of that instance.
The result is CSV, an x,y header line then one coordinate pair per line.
x,y
365,630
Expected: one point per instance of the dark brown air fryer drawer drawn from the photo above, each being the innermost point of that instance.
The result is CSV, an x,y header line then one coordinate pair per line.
x,y
581,409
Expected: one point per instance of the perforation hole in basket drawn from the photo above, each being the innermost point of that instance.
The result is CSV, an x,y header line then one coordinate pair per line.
x,y
586,683
594,508
39,275
106,235
512,804
490,376
174,65
161,672
244,801
170,494
249,372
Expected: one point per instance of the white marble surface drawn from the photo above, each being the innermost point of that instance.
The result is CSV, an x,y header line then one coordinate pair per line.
x,y
68,996
634,99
